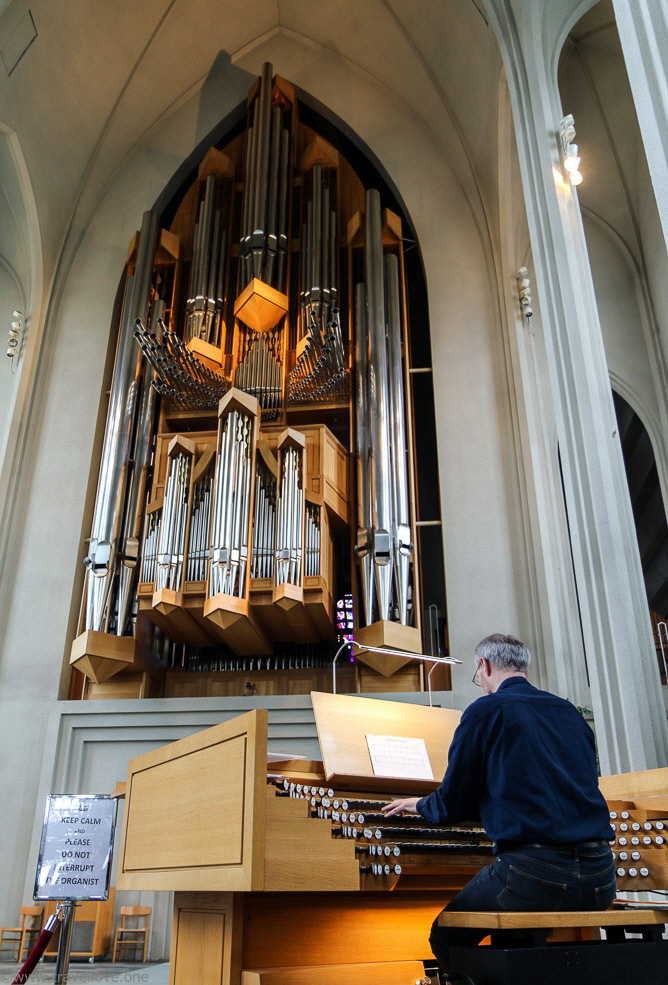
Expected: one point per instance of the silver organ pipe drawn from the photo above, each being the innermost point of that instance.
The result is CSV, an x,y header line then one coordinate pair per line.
x,y
149,552
138,484
172,543
231,511
207,270
264,522
261,375
363,447
402,547
198,536
290,517
384,544
125,406
264,215
380,408
179,376
319,372
312,540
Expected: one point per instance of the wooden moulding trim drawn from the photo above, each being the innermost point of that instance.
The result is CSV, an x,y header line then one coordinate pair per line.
x,y
290,436
215,162
179,443
564,918
235,398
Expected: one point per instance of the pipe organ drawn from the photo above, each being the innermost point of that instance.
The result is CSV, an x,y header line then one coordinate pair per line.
x,y
258,459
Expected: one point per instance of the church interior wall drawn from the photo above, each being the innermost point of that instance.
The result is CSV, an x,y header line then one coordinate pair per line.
x,y
621,321
501,499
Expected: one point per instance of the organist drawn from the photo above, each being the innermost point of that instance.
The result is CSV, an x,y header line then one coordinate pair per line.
x,y
523,761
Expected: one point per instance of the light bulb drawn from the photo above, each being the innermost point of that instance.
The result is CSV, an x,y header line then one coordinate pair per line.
x,y
575,177
571,160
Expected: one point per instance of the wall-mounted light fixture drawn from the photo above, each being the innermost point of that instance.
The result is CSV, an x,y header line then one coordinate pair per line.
x,y
15,335
524,290
570,150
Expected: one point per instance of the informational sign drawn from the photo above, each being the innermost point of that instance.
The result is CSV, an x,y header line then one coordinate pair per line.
x,y
76,847
399,757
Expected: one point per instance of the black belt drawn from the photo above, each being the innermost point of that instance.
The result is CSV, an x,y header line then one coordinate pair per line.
x,y
563,847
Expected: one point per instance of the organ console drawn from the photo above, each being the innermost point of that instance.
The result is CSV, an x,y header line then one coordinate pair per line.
x,y
289,874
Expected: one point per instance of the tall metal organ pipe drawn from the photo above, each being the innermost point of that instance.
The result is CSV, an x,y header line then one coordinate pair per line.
x,y
379,405
402,548
137,485
265,206
363,441
124,405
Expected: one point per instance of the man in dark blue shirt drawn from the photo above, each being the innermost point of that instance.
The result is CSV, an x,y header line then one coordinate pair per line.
x,y
523,762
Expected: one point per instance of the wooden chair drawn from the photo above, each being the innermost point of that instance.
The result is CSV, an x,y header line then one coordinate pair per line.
x,y
19,940
132,931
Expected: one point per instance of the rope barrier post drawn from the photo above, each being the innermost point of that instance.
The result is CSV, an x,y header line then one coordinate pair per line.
x,y
68,909
38,950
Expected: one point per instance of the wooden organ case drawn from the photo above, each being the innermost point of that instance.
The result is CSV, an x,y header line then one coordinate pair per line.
x,y
259,459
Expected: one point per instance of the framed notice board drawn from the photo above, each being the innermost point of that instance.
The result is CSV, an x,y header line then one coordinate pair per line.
x,y
76,847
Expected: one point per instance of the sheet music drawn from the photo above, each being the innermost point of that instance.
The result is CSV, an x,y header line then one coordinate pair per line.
x,y
400,757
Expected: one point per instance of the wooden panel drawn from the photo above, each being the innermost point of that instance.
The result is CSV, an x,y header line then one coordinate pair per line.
x,y
406,679
233,621
200,937
302,856
343,722
389,973
311,929
326,465
206,935
203,787
656,880
120,687
194,815
629,786
180,683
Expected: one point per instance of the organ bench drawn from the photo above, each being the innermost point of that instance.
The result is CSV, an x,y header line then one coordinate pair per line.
x,y
520,950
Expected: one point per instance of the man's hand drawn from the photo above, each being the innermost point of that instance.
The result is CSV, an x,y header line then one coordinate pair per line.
x,y
404,806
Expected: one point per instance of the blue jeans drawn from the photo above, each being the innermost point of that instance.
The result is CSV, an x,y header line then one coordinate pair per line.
x,y
526,878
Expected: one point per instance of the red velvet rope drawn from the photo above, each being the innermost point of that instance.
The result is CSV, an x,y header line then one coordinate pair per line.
x,y
27,969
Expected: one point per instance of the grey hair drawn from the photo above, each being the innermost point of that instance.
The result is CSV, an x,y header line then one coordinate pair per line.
x,y
504,653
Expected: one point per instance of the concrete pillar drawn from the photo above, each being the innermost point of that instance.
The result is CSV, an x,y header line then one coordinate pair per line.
x,y
626,695
643,32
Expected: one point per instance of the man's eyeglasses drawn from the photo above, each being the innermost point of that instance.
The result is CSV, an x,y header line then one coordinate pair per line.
x,y
475,677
